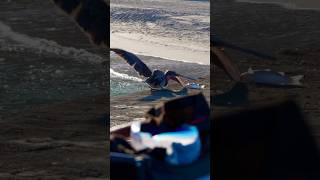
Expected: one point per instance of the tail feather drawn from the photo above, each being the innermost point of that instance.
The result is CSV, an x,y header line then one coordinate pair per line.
x,y
296,80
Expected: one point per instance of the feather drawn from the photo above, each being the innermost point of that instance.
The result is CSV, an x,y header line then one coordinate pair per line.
x,y
224,62
92,16
134,61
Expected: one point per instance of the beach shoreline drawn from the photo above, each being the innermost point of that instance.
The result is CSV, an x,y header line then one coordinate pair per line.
x,y
132,107
172,30
166,48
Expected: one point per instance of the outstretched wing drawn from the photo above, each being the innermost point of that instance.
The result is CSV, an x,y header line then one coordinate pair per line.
x,y
223,61
92,16
134,61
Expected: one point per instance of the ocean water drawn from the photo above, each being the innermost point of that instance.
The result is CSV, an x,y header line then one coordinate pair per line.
x,y
122,84
37,70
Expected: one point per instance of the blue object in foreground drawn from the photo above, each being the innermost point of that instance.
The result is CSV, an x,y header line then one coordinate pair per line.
x,y
183,146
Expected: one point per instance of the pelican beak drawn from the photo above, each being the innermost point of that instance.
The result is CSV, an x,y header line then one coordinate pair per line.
x,y
177,79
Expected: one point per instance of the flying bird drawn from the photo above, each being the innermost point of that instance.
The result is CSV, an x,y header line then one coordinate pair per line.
x,y
156,79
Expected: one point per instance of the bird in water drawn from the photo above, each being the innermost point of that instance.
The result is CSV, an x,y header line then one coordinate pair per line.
x,y
156,79
92,17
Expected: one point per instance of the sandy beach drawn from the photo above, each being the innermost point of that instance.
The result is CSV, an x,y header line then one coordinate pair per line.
x,y
173,30
167,48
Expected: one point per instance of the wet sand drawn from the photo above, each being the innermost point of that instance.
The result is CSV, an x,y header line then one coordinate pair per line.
x,y
57,141
133,106
175,30
128,108
131,82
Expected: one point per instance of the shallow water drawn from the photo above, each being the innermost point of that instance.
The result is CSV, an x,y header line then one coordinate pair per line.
x,y
176,29
124,80
121,83
173,20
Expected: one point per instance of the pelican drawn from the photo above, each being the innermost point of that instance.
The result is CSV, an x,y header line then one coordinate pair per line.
x,y
92,17
156,79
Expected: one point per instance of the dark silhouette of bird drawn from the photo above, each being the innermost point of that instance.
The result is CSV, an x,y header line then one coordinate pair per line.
x,y
156,79
222,60
92,16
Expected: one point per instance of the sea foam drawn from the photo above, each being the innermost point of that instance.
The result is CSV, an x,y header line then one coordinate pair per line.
x,y
22,42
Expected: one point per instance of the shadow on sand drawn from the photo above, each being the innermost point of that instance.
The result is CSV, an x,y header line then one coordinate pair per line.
x,y
236,96
272,142
165,93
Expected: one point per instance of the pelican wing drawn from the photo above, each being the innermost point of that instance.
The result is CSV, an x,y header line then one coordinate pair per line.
x,y
92,16
223,61
134,61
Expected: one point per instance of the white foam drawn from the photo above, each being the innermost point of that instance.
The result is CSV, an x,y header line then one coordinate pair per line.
x,y
41,46
114,74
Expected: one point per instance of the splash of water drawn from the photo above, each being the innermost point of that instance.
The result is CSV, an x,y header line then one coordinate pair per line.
x,y
40,46
114,74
